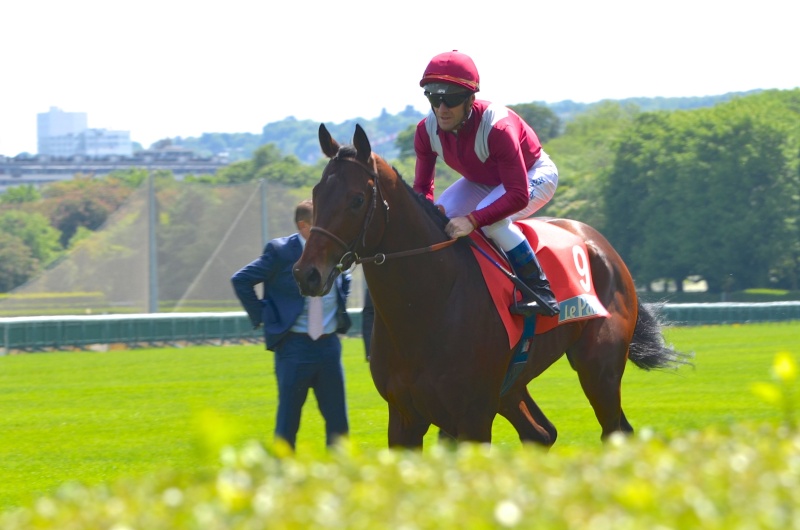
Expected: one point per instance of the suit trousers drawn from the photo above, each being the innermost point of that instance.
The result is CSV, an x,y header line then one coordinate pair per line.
x,y
302,364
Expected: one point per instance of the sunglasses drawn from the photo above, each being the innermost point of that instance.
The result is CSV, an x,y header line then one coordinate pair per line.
x,y
450,100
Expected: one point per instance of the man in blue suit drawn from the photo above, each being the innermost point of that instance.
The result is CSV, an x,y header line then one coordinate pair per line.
x,y
303,359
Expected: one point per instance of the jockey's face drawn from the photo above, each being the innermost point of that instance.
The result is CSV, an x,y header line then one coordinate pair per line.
x,y
451,119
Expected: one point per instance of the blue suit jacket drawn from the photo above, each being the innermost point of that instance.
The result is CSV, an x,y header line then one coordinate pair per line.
x,y
282,302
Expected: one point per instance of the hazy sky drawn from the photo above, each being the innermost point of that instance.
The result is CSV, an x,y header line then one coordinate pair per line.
x,y
177,68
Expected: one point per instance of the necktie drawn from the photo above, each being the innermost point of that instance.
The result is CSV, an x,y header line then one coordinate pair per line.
x,y
315,317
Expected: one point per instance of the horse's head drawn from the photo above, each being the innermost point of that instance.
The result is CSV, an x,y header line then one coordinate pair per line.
x,y
345,203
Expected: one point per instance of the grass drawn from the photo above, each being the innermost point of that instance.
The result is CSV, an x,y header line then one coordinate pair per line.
x,y
96,417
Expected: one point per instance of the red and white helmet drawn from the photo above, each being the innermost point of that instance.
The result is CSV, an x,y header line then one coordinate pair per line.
x,y
452,68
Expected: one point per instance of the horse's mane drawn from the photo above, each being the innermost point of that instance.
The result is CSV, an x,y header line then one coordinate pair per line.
x,y
428,207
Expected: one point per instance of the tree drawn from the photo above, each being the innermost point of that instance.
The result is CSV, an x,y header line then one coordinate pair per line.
x,y
20,194
82,201
290,172
584,155
405,141
628,188
543,120
34,230
268,163
238,172
133,177
16,262
711,192
78,210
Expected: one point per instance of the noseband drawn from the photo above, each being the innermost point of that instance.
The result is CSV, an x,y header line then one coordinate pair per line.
x,y
350,257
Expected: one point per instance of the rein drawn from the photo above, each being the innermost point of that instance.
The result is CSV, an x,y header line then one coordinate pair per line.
x,y
380,258
350,257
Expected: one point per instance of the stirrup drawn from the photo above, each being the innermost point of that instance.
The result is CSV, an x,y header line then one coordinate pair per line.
x,y
527,308
531,304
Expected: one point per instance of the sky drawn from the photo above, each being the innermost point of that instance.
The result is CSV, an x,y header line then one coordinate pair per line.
x,y
167,68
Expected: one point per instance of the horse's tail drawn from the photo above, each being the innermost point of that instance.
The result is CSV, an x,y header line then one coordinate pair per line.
x,y
648,349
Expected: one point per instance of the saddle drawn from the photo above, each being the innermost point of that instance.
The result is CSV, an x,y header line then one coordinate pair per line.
x,y
565,261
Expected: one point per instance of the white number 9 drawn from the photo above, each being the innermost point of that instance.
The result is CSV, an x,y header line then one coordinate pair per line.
x,y
582,266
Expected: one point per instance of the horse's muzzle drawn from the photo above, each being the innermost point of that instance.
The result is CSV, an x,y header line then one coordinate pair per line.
x,y
310,281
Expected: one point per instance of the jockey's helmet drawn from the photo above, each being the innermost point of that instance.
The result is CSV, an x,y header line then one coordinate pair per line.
x,y
450,72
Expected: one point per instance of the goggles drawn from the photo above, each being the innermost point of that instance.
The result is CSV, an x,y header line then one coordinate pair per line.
x,y
450,100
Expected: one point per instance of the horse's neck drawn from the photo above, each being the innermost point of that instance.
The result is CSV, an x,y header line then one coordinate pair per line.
x,y
401,284
409,226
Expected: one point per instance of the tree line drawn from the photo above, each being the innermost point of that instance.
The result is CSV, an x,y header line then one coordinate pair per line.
x,y
710,193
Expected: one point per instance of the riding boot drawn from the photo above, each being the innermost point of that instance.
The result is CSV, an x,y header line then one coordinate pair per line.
x,y
527,268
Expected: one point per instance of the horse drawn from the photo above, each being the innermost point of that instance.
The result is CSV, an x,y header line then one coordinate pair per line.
x,y
440,351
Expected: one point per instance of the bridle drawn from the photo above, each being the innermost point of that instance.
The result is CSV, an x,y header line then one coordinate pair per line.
x,y
350,258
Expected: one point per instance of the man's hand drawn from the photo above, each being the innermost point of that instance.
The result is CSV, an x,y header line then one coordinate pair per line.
x,y
459,227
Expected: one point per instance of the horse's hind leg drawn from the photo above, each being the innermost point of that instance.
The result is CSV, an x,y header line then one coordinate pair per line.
x,y
623,423
446,439
599,358
518,407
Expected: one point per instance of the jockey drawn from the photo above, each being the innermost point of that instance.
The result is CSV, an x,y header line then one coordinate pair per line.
x,y
505,173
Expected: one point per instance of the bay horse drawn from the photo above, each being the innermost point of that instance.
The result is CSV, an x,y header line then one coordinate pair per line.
x,y
439,349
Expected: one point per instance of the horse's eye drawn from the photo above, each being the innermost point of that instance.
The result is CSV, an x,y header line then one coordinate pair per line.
x,y
357,202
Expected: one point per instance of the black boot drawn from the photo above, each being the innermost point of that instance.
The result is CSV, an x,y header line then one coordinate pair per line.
x,y
527,268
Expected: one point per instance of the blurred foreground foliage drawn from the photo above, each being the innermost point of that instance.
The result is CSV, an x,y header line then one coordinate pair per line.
x,y
746,477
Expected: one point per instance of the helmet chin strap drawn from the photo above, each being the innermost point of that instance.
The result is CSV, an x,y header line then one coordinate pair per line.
x,y
467,114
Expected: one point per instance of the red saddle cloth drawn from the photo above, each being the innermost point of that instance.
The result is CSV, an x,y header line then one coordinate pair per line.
x,y
565,261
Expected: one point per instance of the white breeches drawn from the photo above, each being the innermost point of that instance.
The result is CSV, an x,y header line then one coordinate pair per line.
x,y
464,197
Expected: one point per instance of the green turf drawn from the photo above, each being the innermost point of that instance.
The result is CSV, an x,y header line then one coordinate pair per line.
x,y
94,417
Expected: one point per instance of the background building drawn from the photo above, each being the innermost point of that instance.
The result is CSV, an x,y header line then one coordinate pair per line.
x,y
56,122
66,134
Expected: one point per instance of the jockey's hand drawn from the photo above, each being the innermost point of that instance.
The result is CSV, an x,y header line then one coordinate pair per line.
x,y
459,227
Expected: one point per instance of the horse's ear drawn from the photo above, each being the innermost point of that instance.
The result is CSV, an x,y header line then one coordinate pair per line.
x,y
329,146
361,143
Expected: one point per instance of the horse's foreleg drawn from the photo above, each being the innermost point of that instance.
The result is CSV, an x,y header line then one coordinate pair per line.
x,y
406,432
474,424
518,407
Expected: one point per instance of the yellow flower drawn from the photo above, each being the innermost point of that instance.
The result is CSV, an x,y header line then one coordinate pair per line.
x,y
768,392
784,367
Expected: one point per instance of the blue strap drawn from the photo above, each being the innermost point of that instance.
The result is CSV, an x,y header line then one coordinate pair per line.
x,y
520,356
